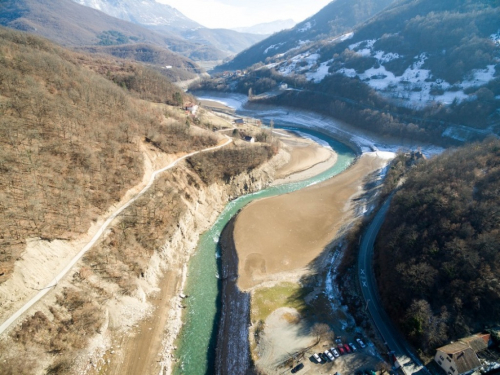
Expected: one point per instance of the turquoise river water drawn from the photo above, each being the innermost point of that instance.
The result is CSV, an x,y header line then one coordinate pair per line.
x,y
196,344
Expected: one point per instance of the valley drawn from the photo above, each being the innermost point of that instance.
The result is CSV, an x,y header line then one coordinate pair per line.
x,y
294,189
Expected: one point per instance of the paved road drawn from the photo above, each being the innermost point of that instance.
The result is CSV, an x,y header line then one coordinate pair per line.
x,y
391,336
14,317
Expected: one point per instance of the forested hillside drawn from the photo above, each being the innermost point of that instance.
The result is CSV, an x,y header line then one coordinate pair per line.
x,y
165,20
438,253
74,132
421,69
334,19
74,25
69,138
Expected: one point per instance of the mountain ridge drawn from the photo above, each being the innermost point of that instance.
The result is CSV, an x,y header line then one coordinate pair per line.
x,y
72,24
335,18
163,18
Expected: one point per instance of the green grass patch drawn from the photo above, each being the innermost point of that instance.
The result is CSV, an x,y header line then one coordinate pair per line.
x,y
266,300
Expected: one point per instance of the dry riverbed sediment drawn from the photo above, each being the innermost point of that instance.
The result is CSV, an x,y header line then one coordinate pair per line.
x,y
148,345
282,241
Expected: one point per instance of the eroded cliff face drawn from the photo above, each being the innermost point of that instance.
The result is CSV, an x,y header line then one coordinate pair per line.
x,y
200,216
118,314
169,264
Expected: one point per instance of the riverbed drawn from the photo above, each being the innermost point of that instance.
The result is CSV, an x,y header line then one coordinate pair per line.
x,y
196,344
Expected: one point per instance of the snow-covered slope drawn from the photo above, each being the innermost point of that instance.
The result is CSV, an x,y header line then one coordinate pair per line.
x,y
423,69
337,17
415,53
144,12
415,87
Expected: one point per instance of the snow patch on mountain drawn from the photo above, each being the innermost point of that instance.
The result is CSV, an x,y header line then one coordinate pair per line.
x,y
320,73
496,38
368,44
383,57
342,37
300,64
272,46
307,26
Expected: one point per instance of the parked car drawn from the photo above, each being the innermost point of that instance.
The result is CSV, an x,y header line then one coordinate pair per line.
x,y
335,352
297,368
346,348
361,343
353,347
317,358
329,355
341,350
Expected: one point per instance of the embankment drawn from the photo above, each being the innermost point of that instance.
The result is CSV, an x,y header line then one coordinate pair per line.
x,y
232,350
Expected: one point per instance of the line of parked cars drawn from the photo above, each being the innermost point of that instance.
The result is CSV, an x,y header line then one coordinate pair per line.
x,y
341,349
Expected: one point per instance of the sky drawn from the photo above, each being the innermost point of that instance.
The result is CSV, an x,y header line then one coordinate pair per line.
x,y
242,13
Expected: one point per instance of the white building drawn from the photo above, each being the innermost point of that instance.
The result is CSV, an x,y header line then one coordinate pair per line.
x,y
460,357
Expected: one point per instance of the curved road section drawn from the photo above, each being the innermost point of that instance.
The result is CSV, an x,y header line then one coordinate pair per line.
x,y
393,339
94,239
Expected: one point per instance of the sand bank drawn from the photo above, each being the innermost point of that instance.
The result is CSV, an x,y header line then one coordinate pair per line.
x,y
285,233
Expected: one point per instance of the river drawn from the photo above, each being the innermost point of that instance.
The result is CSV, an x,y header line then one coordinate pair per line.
x,y
196,344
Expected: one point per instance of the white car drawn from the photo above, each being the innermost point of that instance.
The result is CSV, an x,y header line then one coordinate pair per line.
x,y
360,342
335,352
329,355
317,357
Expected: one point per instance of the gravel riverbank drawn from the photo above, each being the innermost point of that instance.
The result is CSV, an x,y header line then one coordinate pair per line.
x,y
232,350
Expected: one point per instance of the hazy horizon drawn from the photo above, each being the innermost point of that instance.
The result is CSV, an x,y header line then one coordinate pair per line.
x,y
244,13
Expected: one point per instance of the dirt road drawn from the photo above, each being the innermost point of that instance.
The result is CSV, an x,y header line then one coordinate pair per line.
x,y
14,317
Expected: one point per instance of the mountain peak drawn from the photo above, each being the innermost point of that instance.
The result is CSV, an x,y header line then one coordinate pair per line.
x,y
144,12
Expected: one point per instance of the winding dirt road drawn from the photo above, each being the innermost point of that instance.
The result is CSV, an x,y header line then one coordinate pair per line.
x,y
14,317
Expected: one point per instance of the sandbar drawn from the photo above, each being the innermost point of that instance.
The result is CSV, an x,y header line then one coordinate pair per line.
x,y
285,233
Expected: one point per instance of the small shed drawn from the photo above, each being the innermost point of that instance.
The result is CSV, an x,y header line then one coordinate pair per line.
x,y
192,108
248,138
239,121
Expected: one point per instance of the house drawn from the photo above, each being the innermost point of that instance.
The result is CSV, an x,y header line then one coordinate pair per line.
x,y
239,121
460,357
283,86
191,108
248,138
